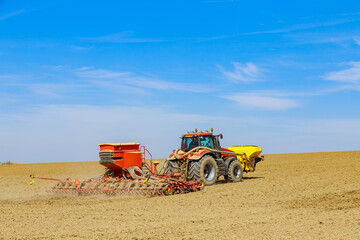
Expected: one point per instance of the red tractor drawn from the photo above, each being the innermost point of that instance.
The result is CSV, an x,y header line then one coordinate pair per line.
x,y
202,158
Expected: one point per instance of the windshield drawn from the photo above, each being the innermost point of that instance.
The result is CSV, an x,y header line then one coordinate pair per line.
x,y
189,143
206,141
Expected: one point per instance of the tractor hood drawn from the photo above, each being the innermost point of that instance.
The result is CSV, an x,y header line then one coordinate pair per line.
x,y
195,155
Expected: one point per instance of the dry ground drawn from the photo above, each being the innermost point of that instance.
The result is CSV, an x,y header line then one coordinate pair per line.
x,y
290,196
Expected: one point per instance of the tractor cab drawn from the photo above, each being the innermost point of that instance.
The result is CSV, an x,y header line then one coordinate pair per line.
x,y
197,139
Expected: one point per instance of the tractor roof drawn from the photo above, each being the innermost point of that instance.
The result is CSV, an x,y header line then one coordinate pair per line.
x,y
195,134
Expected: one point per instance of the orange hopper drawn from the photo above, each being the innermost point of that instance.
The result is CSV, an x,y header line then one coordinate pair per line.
x,y
118,156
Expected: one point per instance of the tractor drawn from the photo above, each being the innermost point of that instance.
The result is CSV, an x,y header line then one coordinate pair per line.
x,y
202,158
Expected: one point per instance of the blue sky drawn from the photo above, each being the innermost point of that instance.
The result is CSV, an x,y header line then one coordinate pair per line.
x,y
282,75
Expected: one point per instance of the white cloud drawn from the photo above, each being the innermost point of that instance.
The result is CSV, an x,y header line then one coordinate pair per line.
x,y
8,98
81,48
219,1
357,41
105,77
49,90
264,102
312,93
341,38
247,72
66,83
86,68
282,100
350,75
101,74
303,26
57,67
121,37
8,78
11,14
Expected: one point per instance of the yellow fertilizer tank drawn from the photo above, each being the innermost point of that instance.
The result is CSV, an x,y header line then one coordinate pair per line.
x,y
250,156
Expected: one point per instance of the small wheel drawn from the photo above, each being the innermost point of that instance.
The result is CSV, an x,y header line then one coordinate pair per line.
x,y
168,190
234,171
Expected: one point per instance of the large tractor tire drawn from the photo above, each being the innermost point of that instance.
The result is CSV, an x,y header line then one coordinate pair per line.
x,y
205,170
171,167
234,171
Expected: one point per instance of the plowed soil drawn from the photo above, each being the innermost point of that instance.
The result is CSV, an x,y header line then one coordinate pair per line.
x,y
290,196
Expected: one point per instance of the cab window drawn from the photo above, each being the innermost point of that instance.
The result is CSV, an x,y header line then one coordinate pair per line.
x,y
206,141
189,143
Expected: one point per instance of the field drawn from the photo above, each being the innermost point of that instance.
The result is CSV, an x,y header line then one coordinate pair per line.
x,y
290,196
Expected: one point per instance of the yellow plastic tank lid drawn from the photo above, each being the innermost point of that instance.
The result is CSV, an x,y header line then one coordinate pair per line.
x,y
120,144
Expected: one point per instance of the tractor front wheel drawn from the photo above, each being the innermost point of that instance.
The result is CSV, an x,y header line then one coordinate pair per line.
x,y
205,170
234,172
171,167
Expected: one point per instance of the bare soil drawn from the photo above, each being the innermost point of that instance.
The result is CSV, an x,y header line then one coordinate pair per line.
x,y
290,196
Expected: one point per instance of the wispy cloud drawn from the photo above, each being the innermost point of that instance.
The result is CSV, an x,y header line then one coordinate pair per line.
x,y
121,37
10,77
113,78
8,98
219,1
255,100
11,14
334,15
101,74
50,90
313,93
350,75
63,83
283,100
291,30
206,39
80,48
247,72
324,37
303,26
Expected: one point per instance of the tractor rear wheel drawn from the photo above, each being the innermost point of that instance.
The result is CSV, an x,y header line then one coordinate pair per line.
x,y
205,170
234,171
